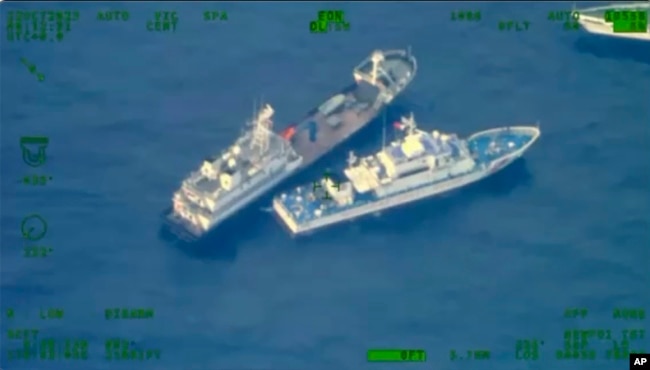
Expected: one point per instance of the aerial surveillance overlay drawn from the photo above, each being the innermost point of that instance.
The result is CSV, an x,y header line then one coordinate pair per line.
x,y
107,107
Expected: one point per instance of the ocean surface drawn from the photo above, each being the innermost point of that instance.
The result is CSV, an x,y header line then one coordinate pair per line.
x,y
129,113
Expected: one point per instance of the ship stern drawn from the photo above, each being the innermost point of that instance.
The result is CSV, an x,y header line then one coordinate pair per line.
x,y
179,227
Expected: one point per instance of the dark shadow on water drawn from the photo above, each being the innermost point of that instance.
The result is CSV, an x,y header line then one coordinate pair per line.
x,y
222,243
505,182
614,48
408,217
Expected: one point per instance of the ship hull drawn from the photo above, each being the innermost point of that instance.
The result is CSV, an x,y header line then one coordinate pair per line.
x,y
326,138
483,170
598,27
592,21
390,202
323,129
315,135
189,232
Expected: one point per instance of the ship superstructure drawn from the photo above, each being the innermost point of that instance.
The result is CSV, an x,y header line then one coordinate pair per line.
x,y
224,184
378,80
419,165
594,19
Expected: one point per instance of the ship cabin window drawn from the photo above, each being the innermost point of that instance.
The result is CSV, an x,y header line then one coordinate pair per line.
x,y
412,171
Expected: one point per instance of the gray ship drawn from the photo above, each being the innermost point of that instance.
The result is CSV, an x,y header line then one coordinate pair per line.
x,y
378,80
223,185
260,159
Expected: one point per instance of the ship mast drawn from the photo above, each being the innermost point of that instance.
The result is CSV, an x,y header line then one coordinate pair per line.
x,y
409,123
261,138
377,57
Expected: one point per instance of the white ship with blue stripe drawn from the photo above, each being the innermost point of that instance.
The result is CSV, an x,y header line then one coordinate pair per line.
x,y
419,165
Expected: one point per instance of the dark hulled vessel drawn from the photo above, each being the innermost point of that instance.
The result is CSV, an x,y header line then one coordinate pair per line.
x,y
378,80
198,209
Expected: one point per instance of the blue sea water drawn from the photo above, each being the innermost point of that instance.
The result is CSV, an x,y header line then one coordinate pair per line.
x,y
129,113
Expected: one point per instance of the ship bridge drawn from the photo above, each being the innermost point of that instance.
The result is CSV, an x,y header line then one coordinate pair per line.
x,y
388,70
417,151
221,179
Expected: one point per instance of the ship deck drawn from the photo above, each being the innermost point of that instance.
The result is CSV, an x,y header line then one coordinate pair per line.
x,y
302,202
487,147
359,112
490,145
362,104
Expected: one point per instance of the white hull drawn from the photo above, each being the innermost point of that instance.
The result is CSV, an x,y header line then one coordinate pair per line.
x,y
597,25
389,202
606,29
